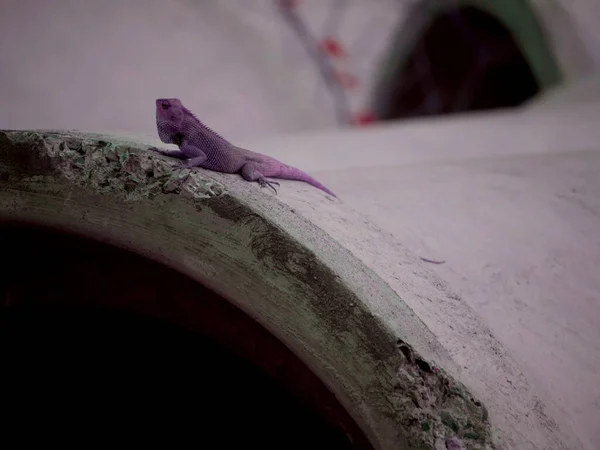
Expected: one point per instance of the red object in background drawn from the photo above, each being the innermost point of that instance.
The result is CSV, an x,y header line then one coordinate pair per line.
x,y
333,48
363,119
288,4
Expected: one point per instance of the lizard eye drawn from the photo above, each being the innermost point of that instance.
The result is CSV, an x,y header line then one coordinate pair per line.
x,y
165,106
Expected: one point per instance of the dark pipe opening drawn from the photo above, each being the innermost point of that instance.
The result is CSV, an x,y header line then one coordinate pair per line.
x,y
466,60
102,343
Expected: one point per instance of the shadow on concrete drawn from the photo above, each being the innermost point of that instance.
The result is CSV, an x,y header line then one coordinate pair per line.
x,y
101,343
465,60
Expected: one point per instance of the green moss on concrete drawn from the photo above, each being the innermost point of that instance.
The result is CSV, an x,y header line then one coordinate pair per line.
x,y
105,167
422,401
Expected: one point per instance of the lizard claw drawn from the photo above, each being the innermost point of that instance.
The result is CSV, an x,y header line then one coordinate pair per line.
x,y
264,182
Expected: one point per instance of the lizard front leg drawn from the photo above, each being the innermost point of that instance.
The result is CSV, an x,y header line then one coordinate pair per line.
x,y
250,173
195,155
171,153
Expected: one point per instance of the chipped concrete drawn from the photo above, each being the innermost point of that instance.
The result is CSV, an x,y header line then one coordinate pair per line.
x,y
341,318
511,201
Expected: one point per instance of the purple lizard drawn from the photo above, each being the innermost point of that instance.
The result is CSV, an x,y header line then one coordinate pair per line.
x,y
202,147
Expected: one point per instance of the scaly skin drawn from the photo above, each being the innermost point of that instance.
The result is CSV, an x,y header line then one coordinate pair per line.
x,y
199,146
202,147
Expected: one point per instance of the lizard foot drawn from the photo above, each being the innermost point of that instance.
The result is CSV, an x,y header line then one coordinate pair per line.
x,y
264,182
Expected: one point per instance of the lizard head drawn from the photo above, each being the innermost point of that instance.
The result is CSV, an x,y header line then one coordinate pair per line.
x,y
169,110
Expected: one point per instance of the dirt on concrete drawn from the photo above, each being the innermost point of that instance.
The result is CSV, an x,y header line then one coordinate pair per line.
x,y
424,405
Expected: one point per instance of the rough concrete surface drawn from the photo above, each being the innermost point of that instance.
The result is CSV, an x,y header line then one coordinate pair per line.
x,y
510,201
339,316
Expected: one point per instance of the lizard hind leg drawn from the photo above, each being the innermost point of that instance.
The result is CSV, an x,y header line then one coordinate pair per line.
x,y
250,173
264,182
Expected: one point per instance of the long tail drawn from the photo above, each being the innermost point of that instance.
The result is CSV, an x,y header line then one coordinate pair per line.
x,y
291,173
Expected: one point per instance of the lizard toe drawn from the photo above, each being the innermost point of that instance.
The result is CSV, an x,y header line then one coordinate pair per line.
x,y
271,183
264,182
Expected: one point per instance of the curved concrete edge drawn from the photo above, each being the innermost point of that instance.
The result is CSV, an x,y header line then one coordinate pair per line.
x,y
518,16
521,415
347,324
582,91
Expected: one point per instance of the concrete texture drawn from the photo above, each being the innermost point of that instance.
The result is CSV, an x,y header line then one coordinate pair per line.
x,y
511,202
581,17
583,90
157,329
334,312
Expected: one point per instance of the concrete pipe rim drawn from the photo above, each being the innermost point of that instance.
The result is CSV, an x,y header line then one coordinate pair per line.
x,y
252,250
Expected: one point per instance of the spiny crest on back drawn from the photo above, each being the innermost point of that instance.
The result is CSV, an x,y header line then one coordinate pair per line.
x,y
190,113
206,128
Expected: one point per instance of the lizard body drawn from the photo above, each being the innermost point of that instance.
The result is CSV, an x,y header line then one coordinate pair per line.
x,y
202,147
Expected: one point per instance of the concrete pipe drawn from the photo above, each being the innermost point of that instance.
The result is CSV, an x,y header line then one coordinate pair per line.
x,y
98,224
